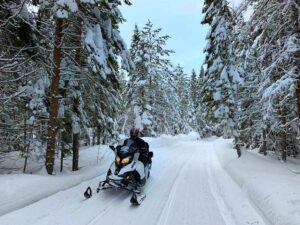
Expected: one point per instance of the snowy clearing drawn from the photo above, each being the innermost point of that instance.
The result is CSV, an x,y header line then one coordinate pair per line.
x,y
188,185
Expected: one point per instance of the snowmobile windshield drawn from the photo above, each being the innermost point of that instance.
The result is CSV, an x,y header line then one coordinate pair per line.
x,y
129,143
125,151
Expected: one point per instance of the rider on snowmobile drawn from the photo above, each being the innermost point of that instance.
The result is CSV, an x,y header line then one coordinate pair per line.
x,y
142,146
127,171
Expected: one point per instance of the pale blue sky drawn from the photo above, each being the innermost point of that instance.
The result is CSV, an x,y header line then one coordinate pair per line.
x,y
178,18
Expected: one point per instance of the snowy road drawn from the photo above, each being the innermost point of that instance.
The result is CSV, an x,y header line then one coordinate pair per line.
x,y
187,187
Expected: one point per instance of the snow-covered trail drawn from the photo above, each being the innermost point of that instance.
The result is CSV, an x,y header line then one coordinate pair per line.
x,y
187,186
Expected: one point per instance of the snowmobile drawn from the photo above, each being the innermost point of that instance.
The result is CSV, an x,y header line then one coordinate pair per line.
x,y
126,172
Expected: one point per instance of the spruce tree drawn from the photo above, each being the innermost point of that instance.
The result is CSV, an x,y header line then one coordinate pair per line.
x,y
181,84
223,76
150,58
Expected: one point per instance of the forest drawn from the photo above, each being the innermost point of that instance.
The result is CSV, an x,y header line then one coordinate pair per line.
x,y
67,79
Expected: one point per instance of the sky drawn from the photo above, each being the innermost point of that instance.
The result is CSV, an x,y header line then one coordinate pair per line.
x,y
179,19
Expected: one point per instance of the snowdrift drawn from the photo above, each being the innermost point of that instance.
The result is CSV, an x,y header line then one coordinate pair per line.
x,y
272,186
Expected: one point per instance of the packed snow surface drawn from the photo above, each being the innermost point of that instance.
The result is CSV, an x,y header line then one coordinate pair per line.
x,y
188,185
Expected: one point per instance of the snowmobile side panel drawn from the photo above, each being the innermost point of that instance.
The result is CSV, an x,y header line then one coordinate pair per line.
x,y
134,165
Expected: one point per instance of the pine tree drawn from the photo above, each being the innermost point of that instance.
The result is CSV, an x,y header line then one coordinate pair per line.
x,y
223,76
150,57
204,126
184,104
275,45
194,89
101,45
21,79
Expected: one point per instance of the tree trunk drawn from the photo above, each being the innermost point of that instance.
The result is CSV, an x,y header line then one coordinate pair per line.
x,y
57,55
296,31
283,135
298,97
75,151
87,139
76,100
237,147
66,127
104,140
263,148
76,136
63,130
62,155
98,135
25,144
94,137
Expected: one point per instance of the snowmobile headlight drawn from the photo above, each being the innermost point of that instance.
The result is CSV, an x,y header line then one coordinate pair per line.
x,y
118,160
125,160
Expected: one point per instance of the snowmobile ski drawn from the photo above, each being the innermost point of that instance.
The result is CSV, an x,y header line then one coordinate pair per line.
x,y
88,193
137,199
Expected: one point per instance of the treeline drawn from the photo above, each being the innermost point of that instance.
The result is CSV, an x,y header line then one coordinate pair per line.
x,y
159,97
251,81
59,76
67,80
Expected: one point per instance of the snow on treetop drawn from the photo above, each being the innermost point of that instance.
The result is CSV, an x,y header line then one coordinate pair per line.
x,y
61,13
235,3
88,1
96,43
71,4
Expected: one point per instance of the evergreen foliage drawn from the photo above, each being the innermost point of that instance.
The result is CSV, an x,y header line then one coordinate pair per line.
x,y
146,90
65,72
256,98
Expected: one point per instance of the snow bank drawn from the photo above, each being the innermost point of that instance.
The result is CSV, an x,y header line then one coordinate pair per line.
x,y
19,190
270,184
192,136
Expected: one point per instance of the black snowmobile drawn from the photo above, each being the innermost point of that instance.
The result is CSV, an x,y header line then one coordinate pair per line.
x,y
126,172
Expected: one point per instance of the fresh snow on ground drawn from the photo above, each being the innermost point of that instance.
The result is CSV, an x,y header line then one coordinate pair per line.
x,y
272,185
190,183
19,190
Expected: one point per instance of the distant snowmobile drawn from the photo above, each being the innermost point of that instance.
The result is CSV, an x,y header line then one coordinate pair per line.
x,y
126,172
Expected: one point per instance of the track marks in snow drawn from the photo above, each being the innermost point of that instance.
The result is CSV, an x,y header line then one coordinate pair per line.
x,y
157,189
190,200
183,189
194,203
223,208
164,216
233,203
107,209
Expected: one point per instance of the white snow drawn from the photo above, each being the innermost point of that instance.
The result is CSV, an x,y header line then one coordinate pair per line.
x,y
95,43
70,4
235,3
61,13
190,183
272,186
19,190
138,119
